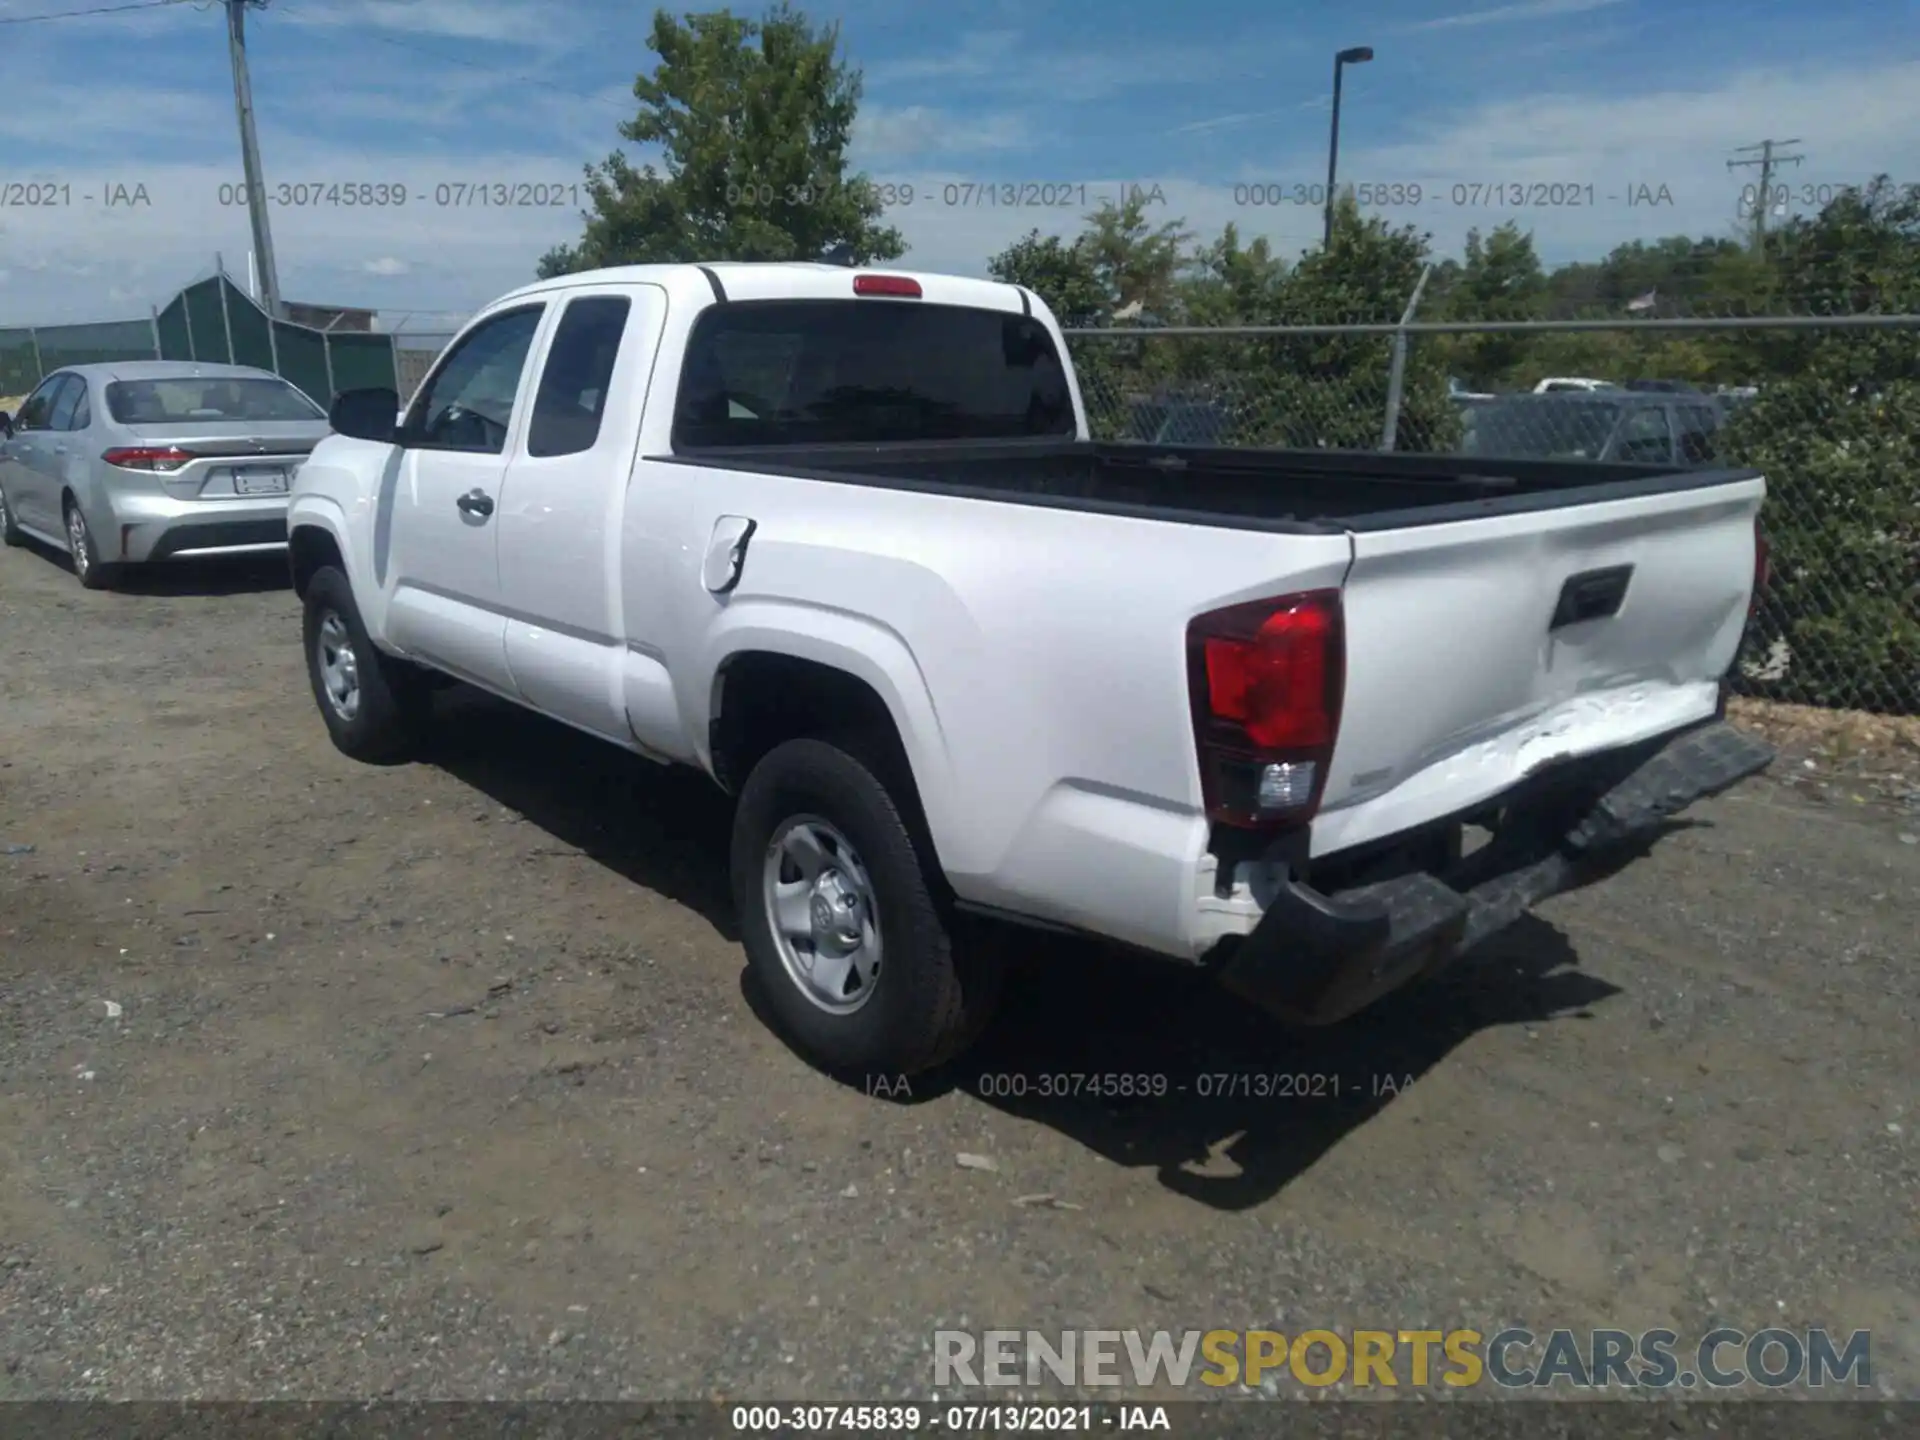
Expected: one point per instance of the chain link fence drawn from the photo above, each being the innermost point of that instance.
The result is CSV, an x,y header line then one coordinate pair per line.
x,y
1827,407
212,320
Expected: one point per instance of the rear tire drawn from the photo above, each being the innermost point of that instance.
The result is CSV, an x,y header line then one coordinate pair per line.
x,y
924,1003
87,565
10,535
376,707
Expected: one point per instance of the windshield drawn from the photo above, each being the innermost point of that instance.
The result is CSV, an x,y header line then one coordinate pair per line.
x,y
1553,429
837,371
178,402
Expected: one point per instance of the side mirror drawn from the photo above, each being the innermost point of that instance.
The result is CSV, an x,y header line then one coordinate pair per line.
x,y
366,414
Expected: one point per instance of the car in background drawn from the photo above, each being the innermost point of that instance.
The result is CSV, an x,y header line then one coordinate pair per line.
x,y
150,460
1571,385
1622,425
1664,387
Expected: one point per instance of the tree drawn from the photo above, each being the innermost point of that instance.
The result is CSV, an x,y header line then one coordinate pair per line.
x,y
1137,263
1060,272
752,119
1836,431
1501,280
1229,283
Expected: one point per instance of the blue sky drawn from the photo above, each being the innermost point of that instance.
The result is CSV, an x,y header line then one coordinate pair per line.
x,y
1202,101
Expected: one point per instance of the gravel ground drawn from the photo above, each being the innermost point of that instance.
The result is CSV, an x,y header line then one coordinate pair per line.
x,y
441,1080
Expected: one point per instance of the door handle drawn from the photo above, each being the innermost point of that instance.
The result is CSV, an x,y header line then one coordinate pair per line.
x,y
476,502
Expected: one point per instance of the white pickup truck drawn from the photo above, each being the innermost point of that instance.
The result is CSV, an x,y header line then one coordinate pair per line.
x,y
841,540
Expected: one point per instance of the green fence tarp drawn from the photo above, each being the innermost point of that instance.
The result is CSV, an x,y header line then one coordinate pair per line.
x,y
207,322
362,362
102,344
172,325
247,322
19,372
303,359
213,321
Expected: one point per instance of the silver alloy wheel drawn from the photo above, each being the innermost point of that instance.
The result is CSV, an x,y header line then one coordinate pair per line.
x,y
823,914
77,540
3,510
339,666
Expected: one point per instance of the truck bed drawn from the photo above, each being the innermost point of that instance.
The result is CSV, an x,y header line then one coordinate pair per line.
x,y
1292,491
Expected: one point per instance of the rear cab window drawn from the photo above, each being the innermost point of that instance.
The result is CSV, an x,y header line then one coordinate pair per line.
x,y
796,372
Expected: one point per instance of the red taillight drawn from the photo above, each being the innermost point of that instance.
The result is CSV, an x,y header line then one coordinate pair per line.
x,y
901,286
1267,681
1760,569
141,457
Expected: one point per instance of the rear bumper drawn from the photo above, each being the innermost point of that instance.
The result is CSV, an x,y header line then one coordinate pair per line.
x,y
1316,958
147,527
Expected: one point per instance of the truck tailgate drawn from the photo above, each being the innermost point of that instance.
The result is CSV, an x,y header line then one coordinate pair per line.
x,y
1481,650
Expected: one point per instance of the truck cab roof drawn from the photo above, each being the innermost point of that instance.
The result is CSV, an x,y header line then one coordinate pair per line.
x,y
728,280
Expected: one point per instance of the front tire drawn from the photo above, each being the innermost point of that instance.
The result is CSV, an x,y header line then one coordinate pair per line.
x,y
10,535
87,566
375,706
845,920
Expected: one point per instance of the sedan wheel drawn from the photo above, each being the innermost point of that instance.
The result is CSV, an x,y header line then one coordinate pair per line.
x,y
77,538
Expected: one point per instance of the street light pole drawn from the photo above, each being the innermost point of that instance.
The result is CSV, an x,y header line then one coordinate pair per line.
x,y
1357,55
250,159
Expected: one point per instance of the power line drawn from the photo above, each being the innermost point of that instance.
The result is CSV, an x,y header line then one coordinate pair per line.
x,y
95,10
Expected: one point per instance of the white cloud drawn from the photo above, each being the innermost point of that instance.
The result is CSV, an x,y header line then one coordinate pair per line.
x,y
1504,14
884,131
1005,62
1604,151
458,245
509,21
1854,122
100,119
1216,123
974,53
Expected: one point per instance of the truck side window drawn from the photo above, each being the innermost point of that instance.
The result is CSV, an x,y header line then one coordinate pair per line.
x,y
1645,438
1698,424
573,385
467,403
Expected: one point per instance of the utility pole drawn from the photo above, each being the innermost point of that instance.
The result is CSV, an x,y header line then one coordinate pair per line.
x,y
1764,196
250,155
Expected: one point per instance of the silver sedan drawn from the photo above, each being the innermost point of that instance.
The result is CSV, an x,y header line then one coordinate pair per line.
x,y
149,460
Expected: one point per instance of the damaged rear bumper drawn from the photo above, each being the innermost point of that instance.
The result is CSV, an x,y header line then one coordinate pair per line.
x,y
1316,958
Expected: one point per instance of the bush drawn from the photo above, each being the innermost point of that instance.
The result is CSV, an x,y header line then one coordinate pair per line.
x,y
1840,625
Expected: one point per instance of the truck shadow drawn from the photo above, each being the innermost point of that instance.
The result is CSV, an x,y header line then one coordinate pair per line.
x,y
1227,1105
662,828
1236,1105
